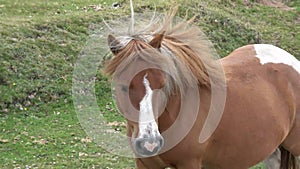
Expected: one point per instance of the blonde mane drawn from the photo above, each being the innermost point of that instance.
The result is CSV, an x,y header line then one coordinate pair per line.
x,y
185,53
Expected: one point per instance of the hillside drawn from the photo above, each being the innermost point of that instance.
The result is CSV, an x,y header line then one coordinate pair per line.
x,y
40,45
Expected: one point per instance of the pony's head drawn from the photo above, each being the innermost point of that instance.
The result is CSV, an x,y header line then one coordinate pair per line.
x,y
151,66
136,79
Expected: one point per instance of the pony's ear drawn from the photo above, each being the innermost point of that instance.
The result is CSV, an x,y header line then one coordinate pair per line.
x,y
157,40
114,44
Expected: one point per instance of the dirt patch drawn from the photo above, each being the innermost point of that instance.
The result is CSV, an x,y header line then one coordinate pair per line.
x,y
272,3
298,20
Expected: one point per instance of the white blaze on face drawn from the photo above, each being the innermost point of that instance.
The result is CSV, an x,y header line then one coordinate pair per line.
x,y
272,54
147,123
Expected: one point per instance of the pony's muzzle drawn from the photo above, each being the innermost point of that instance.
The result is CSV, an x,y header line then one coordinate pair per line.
x,y
149,146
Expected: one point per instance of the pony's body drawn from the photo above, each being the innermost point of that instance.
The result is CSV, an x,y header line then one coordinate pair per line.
x,y
262,106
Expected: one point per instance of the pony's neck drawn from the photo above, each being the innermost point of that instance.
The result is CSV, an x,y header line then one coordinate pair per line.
x,y
170,113
173,106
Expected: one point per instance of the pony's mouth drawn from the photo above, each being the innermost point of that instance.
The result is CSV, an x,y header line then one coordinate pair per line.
x,y
146,147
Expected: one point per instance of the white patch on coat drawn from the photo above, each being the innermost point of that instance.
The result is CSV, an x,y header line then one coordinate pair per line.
x,y
272,54
147,123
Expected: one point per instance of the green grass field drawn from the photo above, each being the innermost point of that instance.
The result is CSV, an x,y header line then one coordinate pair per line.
x,y
40,42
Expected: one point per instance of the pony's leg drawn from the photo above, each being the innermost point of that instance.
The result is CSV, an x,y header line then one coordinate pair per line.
x,y
273,161
139,164
152,163
292,141
190,164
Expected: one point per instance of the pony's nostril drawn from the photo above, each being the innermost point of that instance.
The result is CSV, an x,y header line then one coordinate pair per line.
x,y
138,144
161,141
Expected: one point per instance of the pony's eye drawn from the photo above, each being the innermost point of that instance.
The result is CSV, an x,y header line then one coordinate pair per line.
x,y
124,88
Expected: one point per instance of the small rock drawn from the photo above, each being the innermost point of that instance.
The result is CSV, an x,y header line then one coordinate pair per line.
x,y
4,140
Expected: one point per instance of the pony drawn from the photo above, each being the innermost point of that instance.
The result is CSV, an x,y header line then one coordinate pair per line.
x,y
185,109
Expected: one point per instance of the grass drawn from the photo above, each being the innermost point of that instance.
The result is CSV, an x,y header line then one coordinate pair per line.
x,y
40,44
